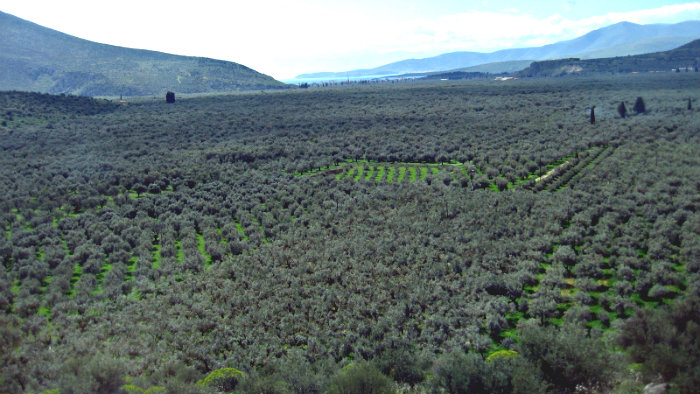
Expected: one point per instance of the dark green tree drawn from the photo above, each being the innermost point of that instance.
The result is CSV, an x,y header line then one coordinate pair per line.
x,y
622,110
639,106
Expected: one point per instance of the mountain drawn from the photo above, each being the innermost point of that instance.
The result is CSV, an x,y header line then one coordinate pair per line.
x,y
36,58
686,58
622,38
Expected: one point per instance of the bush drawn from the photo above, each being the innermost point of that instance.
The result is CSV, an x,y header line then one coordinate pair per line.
x,y
261,384
568,356
361,378
99,374
224,379
401,364
505,372
622,110
666,342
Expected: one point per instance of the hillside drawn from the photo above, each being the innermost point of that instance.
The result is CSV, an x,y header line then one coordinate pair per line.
x,y
620,39
686,57
35,58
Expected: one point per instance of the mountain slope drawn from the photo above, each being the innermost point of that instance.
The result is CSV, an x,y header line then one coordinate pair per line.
x,y
614,40
35,58
686,57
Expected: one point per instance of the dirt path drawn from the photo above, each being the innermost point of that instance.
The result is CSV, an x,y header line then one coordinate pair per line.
x,y
551,172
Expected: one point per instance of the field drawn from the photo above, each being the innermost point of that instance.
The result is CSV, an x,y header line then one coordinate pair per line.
x,y
419,227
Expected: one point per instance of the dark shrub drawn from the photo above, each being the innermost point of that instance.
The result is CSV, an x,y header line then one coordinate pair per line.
x,y
622,110
667,343
568,356
639,106
504,372
361,378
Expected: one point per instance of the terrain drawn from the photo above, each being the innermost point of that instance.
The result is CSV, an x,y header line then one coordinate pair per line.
x,y
459,236
685,58
620,39
38,59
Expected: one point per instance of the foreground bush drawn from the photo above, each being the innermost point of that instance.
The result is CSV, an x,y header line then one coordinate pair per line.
x,y
460,373
361,378
568,357
667,343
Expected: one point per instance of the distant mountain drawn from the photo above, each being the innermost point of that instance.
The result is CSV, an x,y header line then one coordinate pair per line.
x,y
35,58
683,59
620,39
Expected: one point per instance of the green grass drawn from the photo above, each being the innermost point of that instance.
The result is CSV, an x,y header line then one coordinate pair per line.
x,y
380,174
423,173
15,287
434,170
390,174
180,255
106,267
360,171
46,282
44,311
156,255
402,174
370,173
129,275
203,251
77,273
349,173
412,174
239,227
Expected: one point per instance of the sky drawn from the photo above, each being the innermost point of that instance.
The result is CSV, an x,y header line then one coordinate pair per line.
x,y
284,38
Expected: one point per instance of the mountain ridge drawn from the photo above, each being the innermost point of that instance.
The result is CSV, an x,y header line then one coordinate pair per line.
x,y
616,35
37,58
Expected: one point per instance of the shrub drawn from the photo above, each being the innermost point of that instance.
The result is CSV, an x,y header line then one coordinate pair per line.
x,y
361,378
622,110
503,372
224,379
568,356
99,374
401,364
260,384
666,342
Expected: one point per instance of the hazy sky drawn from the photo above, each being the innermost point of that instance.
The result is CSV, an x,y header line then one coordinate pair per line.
x,y
284,38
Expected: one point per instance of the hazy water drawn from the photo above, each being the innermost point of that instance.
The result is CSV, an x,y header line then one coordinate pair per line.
x,y
338,79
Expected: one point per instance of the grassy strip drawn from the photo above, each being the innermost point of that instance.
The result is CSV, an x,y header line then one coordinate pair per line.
x,y
202,250
129,275
402,174
156,254
77,273
349,173
390,174
380,174
179,255
412,174
370,173
239,227
360,171
423,173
